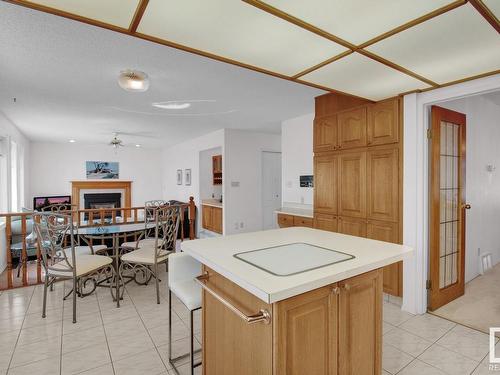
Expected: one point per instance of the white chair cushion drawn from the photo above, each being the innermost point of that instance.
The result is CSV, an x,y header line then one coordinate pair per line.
x,y
143,242
144,255
189,292
84,264
82,250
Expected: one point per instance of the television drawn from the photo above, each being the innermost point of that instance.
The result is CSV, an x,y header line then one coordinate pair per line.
x,y
40,202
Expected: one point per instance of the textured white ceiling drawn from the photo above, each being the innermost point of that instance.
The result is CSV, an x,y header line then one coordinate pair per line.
x,y
63,74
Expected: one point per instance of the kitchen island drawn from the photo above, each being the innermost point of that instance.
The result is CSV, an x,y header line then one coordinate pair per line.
x,y
292,301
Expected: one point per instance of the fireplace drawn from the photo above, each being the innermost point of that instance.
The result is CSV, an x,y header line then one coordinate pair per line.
x,y
102,201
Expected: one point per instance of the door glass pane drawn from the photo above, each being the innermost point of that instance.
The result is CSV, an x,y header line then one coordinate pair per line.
x,y
449,246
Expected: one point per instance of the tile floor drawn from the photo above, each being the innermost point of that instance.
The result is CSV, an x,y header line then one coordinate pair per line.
x,y
133,339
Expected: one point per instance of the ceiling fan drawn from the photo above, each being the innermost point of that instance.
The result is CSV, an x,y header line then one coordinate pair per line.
x,y
116,142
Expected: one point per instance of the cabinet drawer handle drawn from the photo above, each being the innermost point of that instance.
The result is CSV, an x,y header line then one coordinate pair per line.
x,y
262,316
347,287
336,290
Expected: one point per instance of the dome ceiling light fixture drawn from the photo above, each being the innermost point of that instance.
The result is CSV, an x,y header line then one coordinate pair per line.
x,y
133,80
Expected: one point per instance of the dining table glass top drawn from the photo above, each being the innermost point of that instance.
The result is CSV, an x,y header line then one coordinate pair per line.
x,y
114,229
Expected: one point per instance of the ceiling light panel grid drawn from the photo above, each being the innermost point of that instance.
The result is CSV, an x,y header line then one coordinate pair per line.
x,y
238,31
361,76
357,21
113,12
494,7
453,46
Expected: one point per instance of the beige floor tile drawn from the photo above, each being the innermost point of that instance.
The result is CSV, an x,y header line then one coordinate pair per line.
x,y
13,323
407,342
117,314
85,359
125,328
418,367
37,351
186,370
179,347
386,327
50,366
83,322
466,341
83,338
101,370
148,362
393,314
39,333
36,320
448,361
160,334
427,326
123,347
393,360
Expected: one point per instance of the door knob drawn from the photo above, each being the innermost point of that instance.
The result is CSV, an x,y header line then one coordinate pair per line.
x,y
467,206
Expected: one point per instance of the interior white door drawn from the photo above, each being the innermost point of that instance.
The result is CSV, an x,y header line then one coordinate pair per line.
x,y
271,187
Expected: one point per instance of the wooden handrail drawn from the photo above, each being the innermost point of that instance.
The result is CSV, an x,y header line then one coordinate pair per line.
x,y
93,217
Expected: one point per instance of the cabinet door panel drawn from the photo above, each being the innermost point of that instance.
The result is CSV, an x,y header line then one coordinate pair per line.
x,y
383,123
325,222
352,226
230,345
306,334
206,219
299,221
325,134
217,220
326,169
352,175
360,325
352,128
285,221
389,232
383,184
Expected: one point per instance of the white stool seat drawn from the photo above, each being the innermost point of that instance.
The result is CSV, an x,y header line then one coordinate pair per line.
x,y
84,264
143,242
189,292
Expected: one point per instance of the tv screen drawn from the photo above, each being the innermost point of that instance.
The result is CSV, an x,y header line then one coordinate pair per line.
x,y
40,202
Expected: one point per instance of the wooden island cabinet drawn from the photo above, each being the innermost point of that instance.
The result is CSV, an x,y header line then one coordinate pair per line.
x,y
335,329
358,171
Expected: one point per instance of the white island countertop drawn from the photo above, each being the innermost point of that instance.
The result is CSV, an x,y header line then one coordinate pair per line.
x,y
304,212
218,254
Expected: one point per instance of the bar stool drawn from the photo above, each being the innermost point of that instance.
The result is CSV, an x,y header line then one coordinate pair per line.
x,y
182,269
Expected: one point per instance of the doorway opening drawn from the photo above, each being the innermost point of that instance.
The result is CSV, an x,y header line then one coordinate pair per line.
x,y
271,187
464,211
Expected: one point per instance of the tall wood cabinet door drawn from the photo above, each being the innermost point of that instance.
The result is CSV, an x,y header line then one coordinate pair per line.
x,y
352,175
206,217
306,333
388,232
383,123
383,184
360,325
352,128
230,345
325,222
326,169
217,220
352,226
325,134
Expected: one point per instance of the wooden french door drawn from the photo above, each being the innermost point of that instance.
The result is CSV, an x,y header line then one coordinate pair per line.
x,y
447,207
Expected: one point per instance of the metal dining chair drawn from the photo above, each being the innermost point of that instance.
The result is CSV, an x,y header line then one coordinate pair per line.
x,y
182,270
53,231
147,258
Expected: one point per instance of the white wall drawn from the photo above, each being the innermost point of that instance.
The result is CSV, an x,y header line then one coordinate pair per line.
x,y
183,156
11,133
482,187
242,162
297,158
54,165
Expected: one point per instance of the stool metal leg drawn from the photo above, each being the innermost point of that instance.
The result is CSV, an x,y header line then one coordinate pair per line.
x,y
191,342
169,325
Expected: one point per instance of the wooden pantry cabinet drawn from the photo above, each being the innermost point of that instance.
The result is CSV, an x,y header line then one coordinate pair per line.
x,y
211,218
358,172
335,329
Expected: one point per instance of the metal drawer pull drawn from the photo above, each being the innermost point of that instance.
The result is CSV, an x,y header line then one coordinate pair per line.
x,y
262,316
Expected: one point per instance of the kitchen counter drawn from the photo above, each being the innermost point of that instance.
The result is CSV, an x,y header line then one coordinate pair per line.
x,y
295,212
218,254
211,202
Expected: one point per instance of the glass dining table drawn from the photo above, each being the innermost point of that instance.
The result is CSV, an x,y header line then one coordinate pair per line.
x,y
113,232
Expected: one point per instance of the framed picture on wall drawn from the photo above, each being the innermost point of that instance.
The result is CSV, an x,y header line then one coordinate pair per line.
x,y
179,176
187,177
